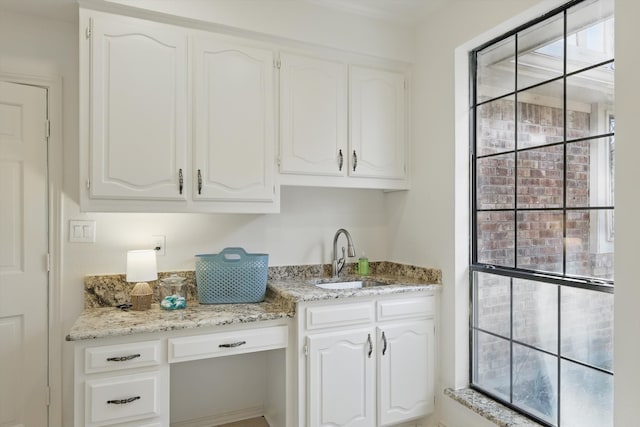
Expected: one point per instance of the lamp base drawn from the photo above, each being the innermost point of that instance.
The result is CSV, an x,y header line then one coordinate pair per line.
x,y
141,296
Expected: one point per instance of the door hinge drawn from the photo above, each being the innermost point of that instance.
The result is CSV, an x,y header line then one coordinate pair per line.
x,y
277,63
88,184
48,258
89,31
47,128
306,350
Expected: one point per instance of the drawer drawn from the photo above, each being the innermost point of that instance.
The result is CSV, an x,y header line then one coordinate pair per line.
x,y
123,398
420,306
121,356
339,315
227,343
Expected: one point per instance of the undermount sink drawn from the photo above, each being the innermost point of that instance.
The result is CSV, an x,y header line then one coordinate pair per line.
x,y
353,284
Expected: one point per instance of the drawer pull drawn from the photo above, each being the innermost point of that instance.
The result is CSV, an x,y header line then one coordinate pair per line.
x,y
122,358
370,346
123,401
233,344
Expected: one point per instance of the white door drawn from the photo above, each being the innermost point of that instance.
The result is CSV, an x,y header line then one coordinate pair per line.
x,y
341,381
313,115
234,122
405,371
376,123
138,110
23,250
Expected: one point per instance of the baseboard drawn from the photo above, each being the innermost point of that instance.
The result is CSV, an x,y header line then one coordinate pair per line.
x,y
224,418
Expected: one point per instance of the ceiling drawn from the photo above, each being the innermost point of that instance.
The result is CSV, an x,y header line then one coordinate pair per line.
x,y
400,11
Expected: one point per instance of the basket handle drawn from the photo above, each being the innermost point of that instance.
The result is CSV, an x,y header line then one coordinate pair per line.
x,y
233,254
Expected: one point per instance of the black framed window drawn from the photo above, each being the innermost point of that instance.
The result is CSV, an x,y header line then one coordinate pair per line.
x,y
542,204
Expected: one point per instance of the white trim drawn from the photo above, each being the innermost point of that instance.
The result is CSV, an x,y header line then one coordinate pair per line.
x,y
53,84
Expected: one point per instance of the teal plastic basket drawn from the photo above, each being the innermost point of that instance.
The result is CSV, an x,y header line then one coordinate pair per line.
x,y
233,276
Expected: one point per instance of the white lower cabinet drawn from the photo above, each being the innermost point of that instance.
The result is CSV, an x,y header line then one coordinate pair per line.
x,y
405,371
341,378
121,383
125,381
375,372
123,398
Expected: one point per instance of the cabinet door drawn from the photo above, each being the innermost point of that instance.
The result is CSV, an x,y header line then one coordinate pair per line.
x,y
405,371
313,108
376,123
341,379
234,132
138,106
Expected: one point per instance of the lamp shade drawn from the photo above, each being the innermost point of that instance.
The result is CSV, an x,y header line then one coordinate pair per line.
x,y
141,266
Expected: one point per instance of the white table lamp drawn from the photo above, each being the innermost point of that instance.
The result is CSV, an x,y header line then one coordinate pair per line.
x,y
141,267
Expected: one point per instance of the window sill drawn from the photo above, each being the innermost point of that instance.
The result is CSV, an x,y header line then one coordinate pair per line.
x,y
489,408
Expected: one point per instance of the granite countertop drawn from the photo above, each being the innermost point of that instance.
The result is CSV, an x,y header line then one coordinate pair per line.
x,y
286,287
104,322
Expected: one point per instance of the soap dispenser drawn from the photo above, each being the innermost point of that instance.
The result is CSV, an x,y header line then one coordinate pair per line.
x,y
363,265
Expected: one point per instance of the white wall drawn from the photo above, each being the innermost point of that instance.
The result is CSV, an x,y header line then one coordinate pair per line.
x,y
627,295
301,234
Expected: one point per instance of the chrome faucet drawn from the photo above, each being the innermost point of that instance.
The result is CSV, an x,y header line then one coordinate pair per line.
x,y
339,263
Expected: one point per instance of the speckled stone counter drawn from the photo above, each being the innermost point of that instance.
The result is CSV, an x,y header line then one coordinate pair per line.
x,y
489,408
286,287
106,322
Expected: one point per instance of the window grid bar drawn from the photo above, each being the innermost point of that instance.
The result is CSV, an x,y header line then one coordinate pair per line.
x,y
569,281
564,214
544,82
516,136
511,340
568,208
547,352
553,144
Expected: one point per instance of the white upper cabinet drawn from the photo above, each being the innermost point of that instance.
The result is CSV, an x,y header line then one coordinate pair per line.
x,y
234,122
138,109
313,116
173,119
342,125
376,123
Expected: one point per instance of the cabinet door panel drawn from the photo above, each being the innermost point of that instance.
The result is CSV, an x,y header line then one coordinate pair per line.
x,y
377,123
234,135
405,371
313,116
138,109
341,380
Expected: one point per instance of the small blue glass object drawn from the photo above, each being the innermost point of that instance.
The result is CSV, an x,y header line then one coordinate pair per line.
x,y
173,302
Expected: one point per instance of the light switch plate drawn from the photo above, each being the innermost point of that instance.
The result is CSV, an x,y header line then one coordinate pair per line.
x,y
82,231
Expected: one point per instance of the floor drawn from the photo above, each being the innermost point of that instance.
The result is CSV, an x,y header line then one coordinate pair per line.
x,y
253,422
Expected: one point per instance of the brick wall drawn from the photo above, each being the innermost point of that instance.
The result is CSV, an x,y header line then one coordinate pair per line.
x,y
539,185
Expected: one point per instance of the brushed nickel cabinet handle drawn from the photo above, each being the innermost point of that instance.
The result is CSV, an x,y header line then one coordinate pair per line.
x,y
233,344
199,182
340,160
122,358
355,160
370,346
180,180
384,344
123,401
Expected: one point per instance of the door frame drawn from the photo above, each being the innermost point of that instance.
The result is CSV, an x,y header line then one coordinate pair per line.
x,y
53,86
